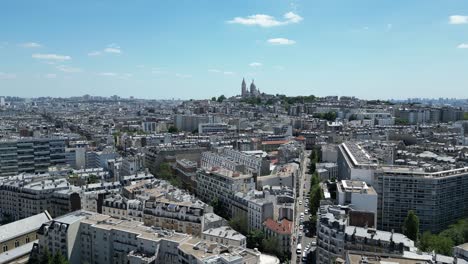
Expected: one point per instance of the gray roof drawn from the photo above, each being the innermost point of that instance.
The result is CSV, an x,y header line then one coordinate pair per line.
x,y
379,235
23,226
16,253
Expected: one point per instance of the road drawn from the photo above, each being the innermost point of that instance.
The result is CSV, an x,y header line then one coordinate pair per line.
x,y
304,187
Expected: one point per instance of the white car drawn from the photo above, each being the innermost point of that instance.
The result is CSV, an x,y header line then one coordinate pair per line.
x,y
301,227
302,214
300,202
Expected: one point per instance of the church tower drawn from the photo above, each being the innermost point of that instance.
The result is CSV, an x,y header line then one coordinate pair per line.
x,y
244,88
253,89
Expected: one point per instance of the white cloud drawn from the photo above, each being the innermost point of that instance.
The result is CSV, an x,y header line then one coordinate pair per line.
x,y
221,72
293,17
109,74
463,46
183,76
94,53
457,19
112,50
281,41
5,76
263,20
40,56
50,76
30,45
68,69
255,64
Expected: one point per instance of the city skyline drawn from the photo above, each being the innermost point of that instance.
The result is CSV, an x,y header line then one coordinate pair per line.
x,y
384,50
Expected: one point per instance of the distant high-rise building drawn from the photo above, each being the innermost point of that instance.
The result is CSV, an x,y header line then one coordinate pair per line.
x,y
2,101
30,155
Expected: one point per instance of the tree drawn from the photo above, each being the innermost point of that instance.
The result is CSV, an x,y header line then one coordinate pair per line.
x,y
45,257
213,99
59,259
255,238
271,246
315,179
93,179
312,168
352,117
218,207
316,195
411,226
438,243
172,130
239,224
221,98
165,171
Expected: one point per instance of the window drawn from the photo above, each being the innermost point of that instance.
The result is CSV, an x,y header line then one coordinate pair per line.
x,y
27,240
16,244
5,248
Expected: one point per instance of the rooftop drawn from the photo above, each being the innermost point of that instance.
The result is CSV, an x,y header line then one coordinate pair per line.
x,y
23,226
355,187
224,232
282,227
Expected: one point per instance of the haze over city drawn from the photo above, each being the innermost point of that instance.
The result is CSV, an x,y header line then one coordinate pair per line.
x,y
196,49
234,132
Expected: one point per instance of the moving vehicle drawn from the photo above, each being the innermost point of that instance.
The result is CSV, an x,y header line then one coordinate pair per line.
x,y
299,249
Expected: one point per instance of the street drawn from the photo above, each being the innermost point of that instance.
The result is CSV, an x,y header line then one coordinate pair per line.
x,y
300,216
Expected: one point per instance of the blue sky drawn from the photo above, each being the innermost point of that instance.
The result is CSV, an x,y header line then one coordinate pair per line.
x,y
200,48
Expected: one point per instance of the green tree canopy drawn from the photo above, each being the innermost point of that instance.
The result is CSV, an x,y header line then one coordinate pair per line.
x,y
411,226
239,224
221,98
172,130
255,238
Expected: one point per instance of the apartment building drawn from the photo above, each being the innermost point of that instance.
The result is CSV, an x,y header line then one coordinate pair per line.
x,y
222,184
22,199
86,237
226,236
213,128
280,230
359,196
30,155
16,238
355,163
241,161
154,156
438,198
122,208
335,237
181,216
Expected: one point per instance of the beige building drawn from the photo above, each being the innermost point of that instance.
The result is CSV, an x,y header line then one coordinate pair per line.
x,y
226,236
86,237
16,239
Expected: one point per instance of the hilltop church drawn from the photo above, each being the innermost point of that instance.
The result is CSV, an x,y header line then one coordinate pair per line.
x,y
253,92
